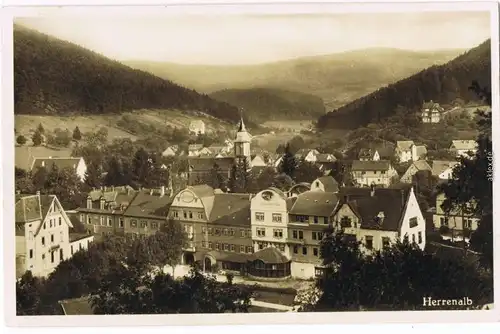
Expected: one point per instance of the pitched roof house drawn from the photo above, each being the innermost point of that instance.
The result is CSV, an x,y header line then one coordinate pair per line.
x,y
407,150
77,164
463,147
413,169
380,216
170,151
367,173
325,184
443,169
309,155
431,112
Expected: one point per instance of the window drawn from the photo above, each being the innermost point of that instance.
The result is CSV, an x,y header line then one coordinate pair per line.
x,y
261,232
110,221
242,249
242,233
44,226
175,214
121,222
226,231
43,241
259,216
71,249
89,220
261,246
295,249
217,246
226,247
419,237
200,215
210,231
101,220
304,250
317,235
217,231
43,256
61,236
315,252
345,222
294,234
133,223
31,253
369,242
301,235
413,238
50,223
302,219
154,225
190,215
82,217
60,221
203,230
277,217
231,231
413,222
203,244
278,233
317,184
249,249
144,224
468,223
385,242
185,214
210,245
52,257
232,248
444,221
61,255
315,219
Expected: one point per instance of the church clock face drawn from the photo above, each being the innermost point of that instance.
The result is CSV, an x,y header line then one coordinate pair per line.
x,y
187,197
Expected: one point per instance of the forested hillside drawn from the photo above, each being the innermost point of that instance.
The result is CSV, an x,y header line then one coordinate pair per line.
x,y
52,76
442,84
337,78
264,104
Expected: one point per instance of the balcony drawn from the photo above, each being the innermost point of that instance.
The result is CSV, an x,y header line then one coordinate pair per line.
x,y
296,241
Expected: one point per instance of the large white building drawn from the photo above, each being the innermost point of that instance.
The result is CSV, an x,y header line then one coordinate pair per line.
x,y
43,239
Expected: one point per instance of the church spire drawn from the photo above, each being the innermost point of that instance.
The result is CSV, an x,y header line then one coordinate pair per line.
x,y
242,127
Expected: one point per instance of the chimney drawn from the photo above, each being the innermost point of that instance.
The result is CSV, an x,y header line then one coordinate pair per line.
x,y
162,191
101,203
89,202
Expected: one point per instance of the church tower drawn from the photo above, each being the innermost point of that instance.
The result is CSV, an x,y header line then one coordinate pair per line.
x,y
242,142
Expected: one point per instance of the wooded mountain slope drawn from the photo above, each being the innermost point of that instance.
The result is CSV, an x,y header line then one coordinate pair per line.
x,y
264,104
52,76
442,84
336,78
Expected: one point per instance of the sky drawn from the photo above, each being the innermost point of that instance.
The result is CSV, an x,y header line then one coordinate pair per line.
x,y
245,39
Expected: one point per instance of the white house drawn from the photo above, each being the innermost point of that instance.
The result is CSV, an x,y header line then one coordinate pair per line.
x,y
194,150
367,173
43,239
170,151
197,127
463,147
455,221
76,164
378,217
257,161
309,155
407,150
431,112
325,184
443,169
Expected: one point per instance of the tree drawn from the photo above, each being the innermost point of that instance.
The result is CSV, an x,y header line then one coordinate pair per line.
x,y
93,175
21,140
115,175
162,294
141,166
215,178
239,180
40,129
283,182
64,183
306,172
288,163
29,290
37,138
77,135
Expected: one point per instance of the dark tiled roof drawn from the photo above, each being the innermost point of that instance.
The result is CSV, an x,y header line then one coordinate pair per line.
x,y
315,203
390,201
77,306
439,166
78,236
205,164
404,145
231,209
28,209
59,162
381,165
146,205
202,190
330,184
290,202
271,255
325,158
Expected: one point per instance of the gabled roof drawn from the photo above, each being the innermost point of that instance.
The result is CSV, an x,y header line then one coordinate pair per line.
x,y
231,209
202,190
325,158
59,162
431,105
28,208
314,203
195,147
421,150
390,201
77,306
330,184
421,165
381,165
270,255
439,166
404,145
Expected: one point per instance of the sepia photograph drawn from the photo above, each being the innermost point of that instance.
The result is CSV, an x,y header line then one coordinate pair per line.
x,y
283,162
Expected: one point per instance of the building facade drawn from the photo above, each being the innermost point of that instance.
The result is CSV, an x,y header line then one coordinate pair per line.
x,y
367,173
455,222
